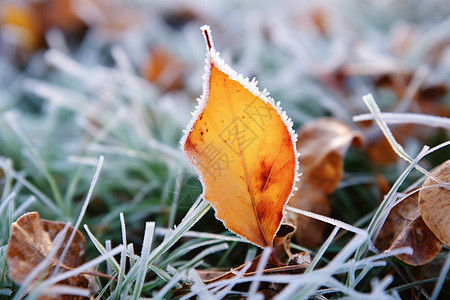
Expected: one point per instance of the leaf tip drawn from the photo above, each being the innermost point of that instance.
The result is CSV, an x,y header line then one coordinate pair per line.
x,y
206,30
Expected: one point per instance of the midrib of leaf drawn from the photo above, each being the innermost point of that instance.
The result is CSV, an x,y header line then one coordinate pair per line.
x,y
244,165
271,168
43,251
259,150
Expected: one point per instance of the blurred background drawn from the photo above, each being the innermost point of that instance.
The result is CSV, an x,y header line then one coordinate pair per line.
x,y
84,78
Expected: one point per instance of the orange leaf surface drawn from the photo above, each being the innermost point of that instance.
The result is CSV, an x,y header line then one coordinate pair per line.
x,y
242,147
28,33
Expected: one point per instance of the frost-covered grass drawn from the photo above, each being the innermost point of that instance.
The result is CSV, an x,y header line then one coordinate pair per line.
x,y
70,110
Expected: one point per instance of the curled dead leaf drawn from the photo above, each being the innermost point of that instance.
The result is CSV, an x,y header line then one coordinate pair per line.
x,y
30,242
404,227
421,239
399,217
282,241
322,144
434,203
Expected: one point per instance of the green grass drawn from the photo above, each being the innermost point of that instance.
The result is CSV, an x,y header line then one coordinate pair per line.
x,y
84,139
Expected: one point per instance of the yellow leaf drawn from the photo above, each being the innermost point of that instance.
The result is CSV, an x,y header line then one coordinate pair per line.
x,y
242,147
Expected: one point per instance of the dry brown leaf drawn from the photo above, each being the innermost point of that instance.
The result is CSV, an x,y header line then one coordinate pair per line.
x,y
431,99
322,145
399,217
404,227
282,252
59,14
282,241
164,69
380,152
30,242
382,183
31,19
434,203
310,231
296,264
421,239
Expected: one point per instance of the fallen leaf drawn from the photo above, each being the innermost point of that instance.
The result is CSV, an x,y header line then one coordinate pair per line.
x,y
395,80
310,231
421,239
296,264
404,227
431,99
23,23
399,217
59,14
323,143
282,241
242,146
434,203
382,183
31,240
380,151
164,69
